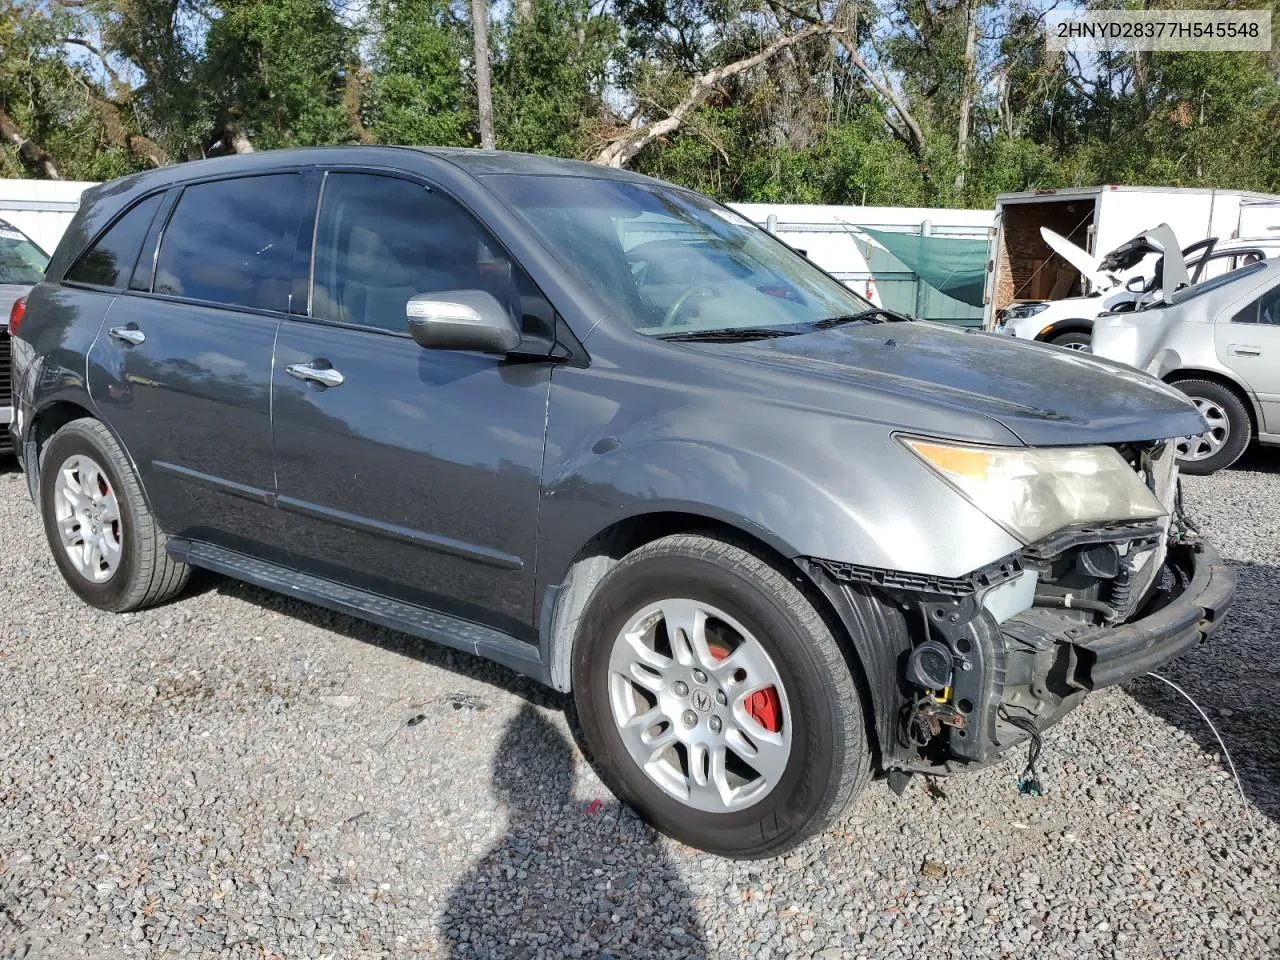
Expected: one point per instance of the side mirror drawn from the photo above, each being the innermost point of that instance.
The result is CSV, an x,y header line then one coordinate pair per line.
x,y
461,320
1136,284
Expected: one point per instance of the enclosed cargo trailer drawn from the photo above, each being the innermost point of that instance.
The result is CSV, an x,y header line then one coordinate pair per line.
x,y
1023,268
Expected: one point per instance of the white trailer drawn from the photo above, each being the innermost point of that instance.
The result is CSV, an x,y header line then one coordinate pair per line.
x,y
41,209
831,237
1022,267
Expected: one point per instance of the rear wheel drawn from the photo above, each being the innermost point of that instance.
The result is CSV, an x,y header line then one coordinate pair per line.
x,y
1227,428
1075,340
103,537
715,699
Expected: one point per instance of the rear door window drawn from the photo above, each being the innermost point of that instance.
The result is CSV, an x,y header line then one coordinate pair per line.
x,y
232,242
111,259
382,240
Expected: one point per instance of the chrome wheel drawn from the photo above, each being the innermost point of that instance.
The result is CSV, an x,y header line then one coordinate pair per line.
x,y
1082,347
699,705
1215,437
88,518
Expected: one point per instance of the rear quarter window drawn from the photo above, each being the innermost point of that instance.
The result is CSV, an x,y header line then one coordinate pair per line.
x,y
109,262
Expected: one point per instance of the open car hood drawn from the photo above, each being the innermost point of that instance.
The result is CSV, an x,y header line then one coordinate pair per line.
x,y
1103,272
1081,259
1172,274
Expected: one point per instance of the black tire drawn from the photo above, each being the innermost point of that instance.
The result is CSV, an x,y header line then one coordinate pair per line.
x,y
1074,340
830,760
1239,426
145,574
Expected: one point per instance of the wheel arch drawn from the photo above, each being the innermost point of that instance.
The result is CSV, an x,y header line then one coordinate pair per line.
x,y
565,603
46,420
1182,374
1067,325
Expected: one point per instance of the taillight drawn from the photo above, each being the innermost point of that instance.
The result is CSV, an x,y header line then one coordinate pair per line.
x,y
16,313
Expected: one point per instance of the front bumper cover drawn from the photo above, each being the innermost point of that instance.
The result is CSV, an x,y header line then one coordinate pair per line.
x,y
1177,624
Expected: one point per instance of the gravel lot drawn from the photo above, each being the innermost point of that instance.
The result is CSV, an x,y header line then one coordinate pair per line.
x,y
239,775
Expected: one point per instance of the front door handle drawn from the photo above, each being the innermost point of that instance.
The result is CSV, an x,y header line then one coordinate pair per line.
x,y
325,376
1244,350
128,334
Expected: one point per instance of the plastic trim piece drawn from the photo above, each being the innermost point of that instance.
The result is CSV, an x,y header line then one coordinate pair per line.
x,y
473,638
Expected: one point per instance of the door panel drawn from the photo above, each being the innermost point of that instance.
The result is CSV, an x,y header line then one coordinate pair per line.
x,y
191,402
418,477
187,385
1249,346
409,472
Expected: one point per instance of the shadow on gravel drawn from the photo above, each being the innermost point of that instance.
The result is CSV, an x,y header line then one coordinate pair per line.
x,y
1234,677
568,879
1258,459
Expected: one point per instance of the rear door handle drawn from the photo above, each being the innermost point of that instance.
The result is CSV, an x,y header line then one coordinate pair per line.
x,y
325,376
128,334
1244,350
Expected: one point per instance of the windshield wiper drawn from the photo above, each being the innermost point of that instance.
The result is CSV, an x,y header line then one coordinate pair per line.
x,y
866,316
732,335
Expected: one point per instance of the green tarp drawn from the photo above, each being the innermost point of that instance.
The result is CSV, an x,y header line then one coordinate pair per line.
x,y
953,265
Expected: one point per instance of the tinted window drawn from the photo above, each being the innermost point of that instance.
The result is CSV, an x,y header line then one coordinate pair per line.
x,y
110,261
382,240
1267,309
231,241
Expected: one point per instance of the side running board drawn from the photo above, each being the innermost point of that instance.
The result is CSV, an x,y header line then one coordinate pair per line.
x,y
408,618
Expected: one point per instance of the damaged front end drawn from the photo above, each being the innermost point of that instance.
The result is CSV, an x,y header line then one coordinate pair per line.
x,y
984,661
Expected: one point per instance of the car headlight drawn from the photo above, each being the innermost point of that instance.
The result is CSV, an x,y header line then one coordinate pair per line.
x,y
1033,491
1020,311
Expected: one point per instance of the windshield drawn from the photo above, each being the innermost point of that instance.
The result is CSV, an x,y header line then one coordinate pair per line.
x,y
21,261
667,262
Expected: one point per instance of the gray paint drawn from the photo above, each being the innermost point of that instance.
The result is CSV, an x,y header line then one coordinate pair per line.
x,y
470,483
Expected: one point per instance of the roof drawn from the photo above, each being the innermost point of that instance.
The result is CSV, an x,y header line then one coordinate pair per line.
x,y
473,162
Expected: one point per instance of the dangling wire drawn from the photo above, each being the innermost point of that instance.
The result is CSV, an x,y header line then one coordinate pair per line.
x,y
1029,779
1225,752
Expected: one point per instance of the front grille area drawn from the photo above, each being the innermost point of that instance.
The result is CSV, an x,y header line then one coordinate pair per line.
x,y
6,378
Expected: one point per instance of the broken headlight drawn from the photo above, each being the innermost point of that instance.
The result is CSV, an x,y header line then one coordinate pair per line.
x,y
1033,491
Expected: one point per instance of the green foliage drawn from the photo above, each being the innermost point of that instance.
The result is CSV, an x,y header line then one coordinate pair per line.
x,y
106,87
418,93
277,67
548,82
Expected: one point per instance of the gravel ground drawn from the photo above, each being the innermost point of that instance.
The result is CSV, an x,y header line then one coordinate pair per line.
x,y
239,775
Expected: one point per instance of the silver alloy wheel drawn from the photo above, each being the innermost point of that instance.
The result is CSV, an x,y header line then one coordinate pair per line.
x,y
88,518
1215,437
1082,347
699,705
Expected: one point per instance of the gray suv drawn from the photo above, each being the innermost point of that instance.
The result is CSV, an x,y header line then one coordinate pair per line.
x,y
606,432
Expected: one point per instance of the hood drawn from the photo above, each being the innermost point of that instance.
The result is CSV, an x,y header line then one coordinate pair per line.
x,y
1171,270
1081,259
1043,395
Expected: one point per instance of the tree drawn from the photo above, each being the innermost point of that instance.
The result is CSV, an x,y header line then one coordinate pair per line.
x,y
484,92
550,77
417,90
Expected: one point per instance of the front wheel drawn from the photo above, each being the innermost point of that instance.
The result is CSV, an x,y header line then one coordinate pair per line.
x,y
1227,428
1075,340
715,699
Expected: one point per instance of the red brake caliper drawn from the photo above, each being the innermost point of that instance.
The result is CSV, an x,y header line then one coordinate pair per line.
x,y
763,706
